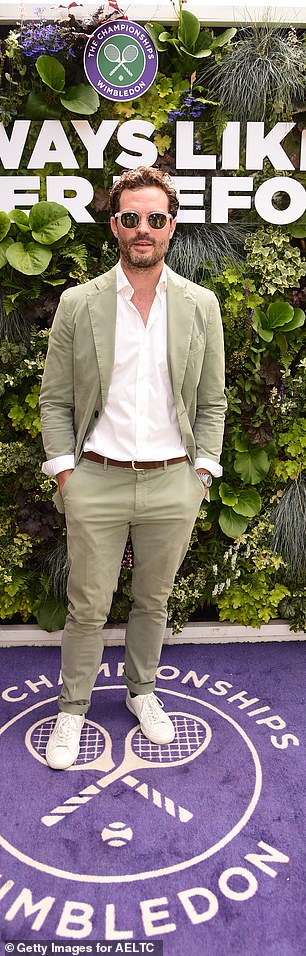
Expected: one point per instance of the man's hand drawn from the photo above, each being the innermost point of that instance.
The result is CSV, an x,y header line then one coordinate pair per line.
x,y
62,477
206,472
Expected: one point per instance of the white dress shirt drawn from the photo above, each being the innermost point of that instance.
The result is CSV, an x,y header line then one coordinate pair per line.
x,y
139,421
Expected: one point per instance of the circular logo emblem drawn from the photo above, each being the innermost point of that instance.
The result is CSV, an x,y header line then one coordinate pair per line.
x,y
189,793
120,60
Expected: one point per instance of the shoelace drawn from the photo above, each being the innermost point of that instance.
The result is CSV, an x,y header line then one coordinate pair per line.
x,y
152,704
66,728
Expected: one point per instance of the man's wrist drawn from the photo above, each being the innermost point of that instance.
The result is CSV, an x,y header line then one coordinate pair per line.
x,y
62,476
206,477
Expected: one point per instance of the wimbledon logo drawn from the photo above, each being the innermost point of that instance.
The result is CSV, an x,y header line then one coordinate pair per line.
x,y
120,60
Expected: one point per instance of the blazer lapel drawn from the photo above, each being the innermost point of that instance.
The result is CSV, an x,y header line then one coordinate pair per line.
x,y
181,306
102,307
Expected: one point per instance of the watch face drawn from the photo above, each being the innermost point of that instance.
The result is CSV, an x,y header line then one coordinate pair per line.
x,y
205,478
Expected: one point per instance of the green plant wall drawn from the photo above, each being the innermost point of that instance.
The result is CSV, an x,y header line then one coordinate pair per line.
x,y
246,560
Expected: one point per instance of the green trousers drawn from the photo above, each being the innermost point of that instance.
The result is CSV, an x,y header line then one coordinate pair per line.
x,y
102,503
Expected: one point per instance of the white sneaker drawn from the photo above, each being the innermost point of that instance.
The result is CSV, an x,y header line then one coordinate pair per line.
x,y
64,742
154,723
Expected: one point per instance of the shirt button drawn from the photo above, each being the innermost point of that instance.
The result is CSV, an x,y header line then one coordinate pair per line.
x,y
96,414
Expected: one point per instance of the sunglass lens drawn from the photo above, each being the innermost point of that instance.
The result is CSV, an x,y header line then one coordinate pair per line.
x,y
129,220
157,220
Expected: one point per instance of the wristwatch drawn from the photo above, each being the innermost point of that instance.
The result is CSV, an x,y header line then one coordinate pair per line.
x,y
206,478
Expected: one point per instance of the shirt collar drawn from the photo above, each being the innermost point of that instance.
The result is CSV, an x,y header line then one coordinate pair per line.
x,y
123,284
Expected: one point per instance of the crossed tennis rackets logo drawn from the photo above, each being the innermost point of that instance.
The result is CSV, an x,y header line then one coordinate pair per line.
x,y
113,55
192,737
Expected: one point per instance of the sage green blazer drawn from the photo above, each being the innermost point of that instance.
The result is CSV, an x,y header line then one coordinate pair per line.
x,y
80,361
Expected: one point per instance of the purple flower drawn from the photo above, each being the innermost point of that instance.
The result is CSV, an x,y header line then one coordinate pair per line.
x,y
39,38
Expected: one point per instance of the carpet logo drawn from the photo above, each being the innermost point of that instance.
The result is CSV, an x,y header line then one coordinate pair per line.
x,y
120,60
131,814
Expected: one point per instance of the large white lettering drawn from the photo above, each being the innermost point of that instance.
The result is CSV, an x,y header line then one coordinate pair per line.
x,y
134,136
95,143
14,192
25,903
75,921
260,147
185,157
141,151
11,150
57,186
52,146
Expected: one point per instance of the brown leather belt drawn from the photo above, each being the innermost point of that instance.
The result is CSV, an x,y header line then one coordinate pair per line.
x,y
136,465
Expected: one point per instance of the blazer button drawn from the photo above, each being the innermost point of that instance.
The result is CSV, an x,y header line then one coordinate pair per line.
x,y
96,414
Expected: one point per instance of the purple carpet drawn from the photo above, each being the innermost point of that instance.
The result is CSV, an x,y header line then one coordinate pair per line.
x,y
199,844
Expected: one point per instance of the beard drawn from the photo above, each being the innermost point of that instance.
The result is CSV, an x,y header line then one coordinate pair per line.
x,y
144,258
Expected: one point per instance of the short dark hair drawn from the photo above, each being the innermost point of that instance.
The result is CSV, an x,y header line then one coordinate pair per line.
x,y
136,179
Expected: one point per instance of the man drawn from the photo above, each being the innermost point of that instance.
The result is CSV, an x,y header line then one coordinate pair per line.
x,y
132,407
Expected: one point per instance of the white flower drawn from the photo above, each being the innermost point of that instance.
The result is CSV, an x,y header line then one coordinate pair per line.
x,y
215,569
228,583
215,590
238,573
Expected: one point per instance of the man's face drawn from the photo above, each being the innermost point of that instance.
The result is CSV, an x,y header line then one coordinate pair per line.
x,y
143,246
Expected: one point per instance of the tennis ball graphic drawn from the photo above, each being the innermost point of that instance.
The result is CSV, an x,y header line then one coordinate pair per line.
x,y
117,834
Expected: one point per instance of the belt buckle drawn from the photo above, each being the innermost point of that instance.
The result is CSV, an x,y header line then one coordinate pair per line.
x,y
136,469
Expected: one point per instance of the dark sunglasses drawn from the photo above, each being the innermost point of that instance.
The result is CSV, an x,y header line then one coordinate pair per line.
x,y
156,220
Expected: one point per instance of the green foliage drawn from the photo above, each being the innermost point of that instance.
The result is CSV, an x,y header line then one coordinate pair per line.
x,y
21,367
51,615
239,507
25,416
273,262
13,79
16,584
250,592
46,224
81,99
293,609
262,74
122,599
51,72
163,96
279,316
187,41
252,603
238,290
291,445
251,462
289,523
188,593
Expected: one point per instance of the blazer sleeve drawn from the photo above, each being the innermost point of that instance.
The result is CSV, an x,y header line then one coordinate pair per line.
x,y
208,427
57,390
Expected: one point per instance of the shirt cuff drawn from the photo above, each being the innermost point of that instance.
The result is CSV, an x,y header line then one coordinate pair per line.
x,y
55,465
209,465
